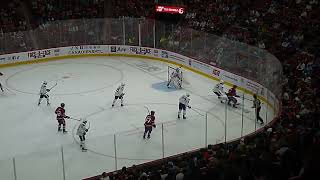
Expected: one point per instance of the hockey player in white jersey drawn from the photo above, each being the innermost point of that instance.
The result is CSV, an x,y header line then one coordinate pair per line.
x,y
176,78
81,132
183,104
44,93
119,94
219,91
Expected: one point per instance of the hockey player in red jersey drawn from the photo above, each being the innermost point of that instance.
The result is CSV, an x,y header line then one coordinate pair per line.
x,y
149,124
60,111
232,94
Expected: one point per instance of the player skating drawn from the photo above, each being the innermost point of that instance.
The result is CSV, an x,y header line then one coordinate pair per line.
x,y
1,84
119,94
176,78
81,132
149,124
44,93
60,112
183,104
232,96
257,106
219,91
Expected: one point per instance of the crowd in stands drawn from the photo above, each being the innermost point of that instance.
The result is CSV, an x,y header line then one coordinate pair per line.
x,y
287,149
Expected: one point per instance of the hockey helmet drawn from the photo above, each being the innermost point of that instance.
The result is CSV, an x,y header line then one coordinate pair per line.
x,y
123,84
188,95
84,121
45,82
152,112
221,81
62,104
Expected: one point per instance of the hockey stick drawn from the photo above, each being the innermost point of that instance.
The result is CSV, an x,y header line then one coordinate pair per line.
x,y
74,119
147,109
54,86
197,112
8,90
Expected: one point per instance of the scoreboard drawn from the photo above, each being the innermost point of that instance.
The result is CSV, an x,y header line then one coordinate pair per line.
x,y
170,9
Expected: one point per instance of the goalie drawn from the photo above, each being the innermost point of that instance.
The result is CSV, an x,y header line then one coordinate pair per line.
x,y
176,78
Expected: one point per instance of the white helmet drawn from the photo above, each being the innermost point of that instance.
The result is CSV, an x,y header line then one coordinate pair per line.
x,y
45,82
188,95
221,81
84,121
122,84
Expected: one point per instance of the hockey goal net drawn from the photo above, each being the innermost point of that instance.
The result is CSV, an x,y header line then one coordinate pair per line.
x,y
184,81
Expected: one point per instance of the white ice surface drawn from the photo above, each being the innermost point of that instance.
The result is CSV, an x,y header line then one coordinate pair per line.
x,y
86,86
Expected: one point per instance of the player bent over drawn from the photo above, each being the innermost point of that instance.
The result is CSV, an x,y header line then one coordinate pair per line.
x,y
44,93
183,103
219,91
232,96
176,79
149,124
257,106
119,94
81,132
60,112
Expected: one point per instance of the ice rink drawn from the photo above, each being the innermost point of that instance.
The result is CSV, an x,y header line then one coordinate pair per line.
x,y
86,86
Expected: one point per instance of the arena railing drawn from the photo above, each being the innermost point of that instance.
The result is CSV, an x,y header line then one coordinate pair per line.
x,y
108,153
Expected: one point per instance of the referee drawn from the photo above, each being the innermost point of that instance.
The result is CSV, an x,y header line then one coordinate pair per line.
x,y
257,105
